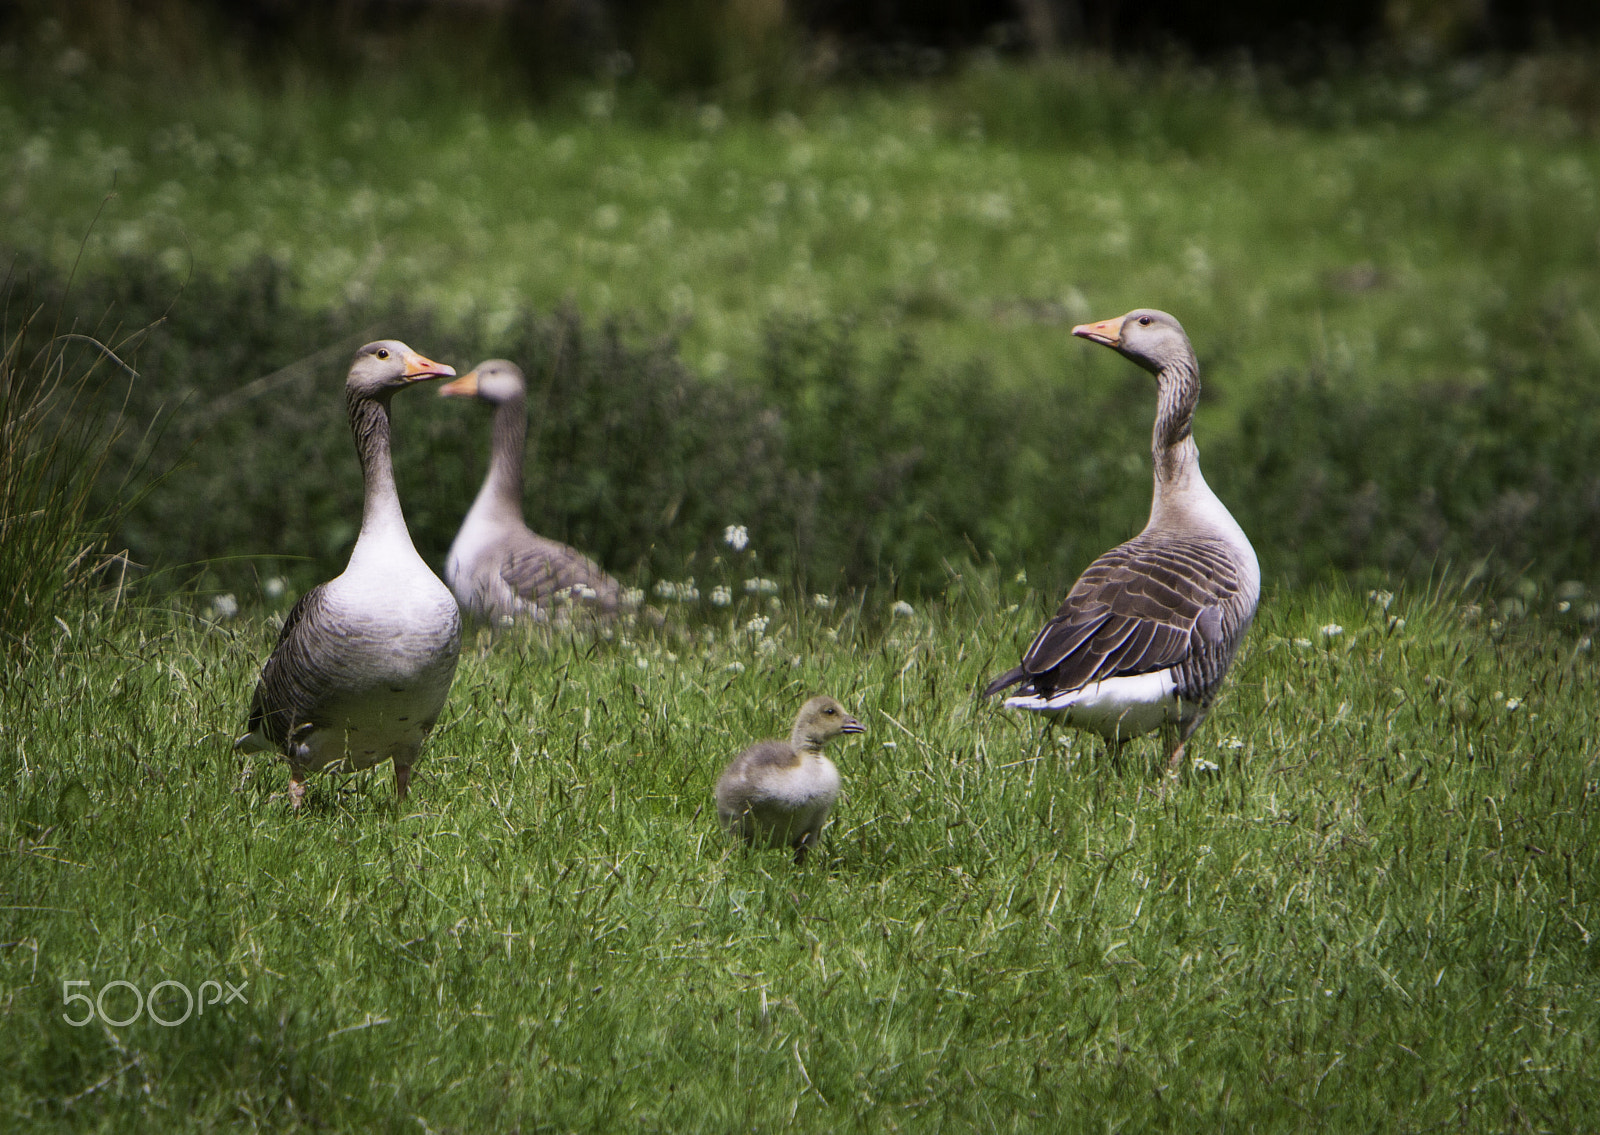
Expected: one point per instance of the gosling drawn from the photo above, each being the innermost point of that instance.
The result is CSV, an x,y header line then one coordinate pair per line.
x,y
779,793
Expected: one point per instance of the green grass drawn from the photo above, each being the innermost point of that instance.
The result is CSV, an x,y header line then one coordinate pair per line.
x,y
983,215
1374,914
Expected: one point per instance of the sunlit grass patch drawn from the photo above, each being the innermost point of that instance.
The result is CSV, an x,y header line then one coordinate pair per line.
x,y
1378,901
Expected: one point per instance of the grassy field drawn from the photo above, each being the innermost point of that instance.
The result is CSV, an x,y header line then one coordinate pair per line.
x,y
1369,905
1393,238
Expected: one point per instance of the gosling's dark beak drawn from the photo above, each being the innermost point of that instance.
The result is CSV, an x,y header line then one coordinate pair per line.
x,y
851,725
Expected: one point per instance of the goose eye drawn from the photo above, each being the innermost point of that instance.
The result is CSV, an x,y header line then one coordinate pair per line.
x,y
383,352
1144,321
830,711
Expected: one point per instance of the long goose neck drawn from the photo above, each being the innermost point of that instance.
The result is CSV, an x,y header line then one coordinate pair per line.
x,y
1172,449
501,495
381,518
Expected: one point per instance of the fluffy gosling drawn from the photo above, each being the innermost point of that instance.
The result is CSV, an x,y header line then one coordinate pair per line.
x,y
779,793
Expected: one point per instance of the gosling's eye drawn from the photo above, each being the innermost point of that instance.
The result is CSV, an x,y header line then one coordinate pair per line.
x,y
830,711
383,352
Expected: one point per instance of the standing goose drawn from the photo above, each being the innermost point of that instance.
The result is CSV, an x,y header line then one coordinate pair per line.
x,y
1144,637
497,567
364,661
779,793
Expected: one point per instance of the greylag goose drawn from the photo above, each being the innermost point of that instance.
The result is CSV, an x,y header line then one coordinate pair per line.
x,y
497,567
779,793
364,662
1146,635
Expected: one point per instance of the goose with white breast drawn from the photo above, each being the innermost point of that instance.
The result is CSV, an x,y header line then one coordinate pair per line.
x,y
498,568
1146,635
364,662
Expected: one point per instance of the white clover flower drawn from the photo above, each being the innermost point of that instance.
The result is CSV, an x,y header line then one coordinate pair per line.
x,y
760,587
1022,576
641,662
736,536
224,606
1302,643
721,596
757,626
1332,630
1513,704
685,592
1203,765
1232,743
734,667
275,587
632,596
766,646
901,609
822,602
1381,598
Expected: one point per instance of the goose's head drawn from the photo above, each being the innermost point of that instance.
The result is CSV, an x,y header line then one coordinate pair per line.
x,y
1151,338
495,381
387,365
821,720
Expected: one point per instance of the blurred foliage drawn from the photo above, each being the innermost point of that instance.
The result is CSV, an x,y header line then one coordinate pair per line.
x,y
62,484
848,467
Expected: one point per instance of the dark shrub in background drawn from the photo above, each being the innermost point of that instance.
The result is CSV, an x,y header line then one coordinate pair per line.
x,y
847,469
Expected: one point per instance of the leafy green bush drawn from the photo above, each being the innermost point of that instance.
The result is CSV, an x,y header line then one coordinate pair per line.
x,y
848,467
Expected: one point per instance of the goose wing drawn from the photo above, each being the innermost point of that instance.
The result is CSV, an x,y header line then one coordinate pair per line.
x,y
1144,606
539,570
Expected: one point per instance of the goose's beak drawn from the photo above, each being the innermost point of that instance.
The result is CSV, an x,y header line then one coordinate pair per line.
x,y
419,369
464,387
851,725
1108,332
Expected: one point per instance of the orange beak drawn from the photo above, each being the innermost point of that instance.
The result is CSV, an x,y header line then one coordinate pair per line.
x,y
419,369
464,387
1108,332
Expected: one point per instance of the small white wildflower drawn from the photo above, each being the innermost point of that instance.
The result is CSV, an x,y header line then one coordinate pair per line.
x,y
1513,704
1203,765
641,662
760,587
1564,606
1233,743
766,646
1302,643
1332,630
584,591
901,609
736,536
1022,576
224,606
822,602
734,667
665,589
1381,598
1397,624
275,587
757,626
721,596
632,596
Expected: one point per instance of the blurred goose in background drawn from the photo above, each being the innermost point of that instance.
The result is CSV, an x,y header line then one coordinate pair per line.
x,y
1146,635
779,793
497,567
364,662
